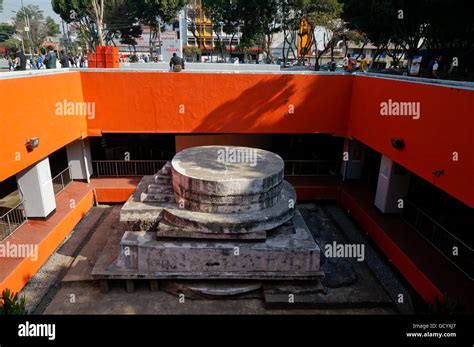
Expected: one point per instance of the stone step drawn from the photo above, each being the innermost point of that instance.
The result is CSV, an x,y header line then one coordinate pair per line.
x,y
248,222
166,169
154,189
160,198
199,206
288,253
166,230
229,204
162,179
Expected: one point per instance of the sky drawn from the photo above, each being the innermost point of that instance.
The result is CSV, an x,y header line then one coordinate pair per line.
x,y
15,5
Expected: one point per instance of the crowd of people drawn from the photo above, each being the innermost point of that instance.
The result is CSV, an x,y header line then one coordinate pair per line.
x,y
50,59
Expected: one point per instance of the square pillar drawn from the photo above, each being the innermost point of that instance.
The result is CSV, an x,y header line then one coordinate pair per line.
x,y
354,152
392,185
79,159
36,188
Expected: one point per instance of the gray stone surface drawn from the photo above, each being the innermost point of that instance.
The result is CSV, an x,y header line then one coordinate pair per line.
x,y
289,252
213,289
211,170
236,223
167,230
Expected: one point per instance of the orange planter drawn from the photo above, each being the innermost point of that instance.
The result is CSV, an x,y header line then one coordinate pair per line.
x,y
100,49
111,57
111,50
112,64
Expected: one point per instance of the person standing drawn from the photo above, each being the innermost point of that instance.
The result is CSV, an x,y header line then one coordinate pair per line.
x,y
363,64
39,61
64,60
50,59
11,64
348,63
20,61
433,66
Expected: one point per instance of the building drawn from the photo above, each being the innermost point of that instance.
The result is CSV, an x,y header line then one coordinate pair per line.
x,y
201,34
385,148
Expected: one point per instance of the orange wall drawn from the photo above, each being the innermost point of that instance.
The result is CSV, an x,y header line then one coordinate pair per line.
x,y
27,109
225,103
245,140
218,102
60,225
446,125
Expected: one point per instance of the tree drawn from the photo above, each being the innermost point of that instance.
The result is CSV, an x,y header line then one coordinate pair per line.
x,y
260,20
450,30
121,24
6,31
78,12
98,21
98,8
225,17
51,27
394,26
32,17
154,14
291,16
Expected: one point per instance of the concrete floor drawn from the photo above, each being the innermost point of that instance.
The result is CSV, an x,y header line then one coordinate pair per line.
x,y
69,289
86,298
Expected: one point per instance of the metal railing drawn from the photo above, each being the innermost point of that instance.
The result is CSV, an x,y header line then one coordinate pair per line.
x,y
126,168
61,180
440,238
135,168
12,220
312,167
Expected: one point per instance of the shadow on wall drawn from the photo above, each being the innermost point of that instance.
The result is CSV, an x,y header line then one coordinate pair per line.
x,y
244,112
284,104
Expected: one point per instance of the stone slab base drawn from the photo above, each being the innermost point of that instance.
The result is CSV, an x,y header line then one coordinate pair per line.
x,y
288,253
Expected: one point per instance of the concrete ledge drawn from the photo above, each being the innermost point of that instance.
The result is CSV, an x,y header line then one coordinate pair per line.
x,y
47,236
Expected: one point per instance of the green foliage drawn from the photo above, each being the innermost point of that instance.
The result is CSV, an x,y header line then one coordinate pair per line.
x,y
39,28
146,11
51,27
12,304
192,52
6,30
122,18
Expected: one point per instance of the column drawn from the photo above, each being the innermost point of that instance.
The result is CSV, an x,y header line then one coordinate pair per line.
x,y
79,159
353,159
392,186
36,188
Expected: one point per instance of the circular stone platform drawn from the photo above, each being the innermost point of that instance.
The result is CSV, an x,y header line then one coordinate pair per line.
x,y
226,171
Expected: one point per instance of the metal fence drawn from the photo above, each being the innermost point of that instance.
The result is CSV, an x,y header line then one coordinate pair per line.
x,y
61,180
440,238
132,168
12,220
126,168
